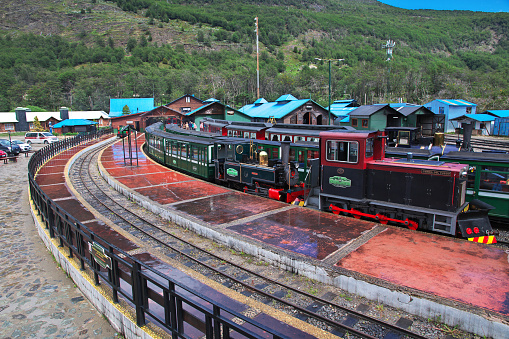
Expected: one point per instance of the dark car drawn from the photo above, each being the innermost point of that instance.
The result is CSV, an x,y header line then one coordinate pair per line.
x,y
9,148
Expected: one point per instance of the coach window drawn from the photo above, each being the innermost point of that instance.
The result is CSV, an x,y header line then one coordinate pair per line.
x,y
342,151
246,135
369,147
494,179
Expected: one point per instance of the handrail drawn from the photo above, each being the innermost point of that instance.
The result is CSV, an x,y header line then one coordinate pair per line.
x,y
129,278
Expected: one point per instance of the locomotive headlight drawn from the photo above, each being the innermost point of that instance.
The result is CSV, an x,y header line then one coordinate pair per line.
x,y
296,164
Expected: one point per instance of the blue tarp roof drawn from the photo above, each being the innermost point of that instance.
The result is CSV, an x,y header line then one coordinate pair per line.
x,y
136,105
74,122
284,105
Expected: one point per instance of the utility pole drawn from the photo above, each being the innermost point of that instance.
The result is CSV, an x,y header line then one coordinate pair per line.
x,y
257,62
329,60
389,45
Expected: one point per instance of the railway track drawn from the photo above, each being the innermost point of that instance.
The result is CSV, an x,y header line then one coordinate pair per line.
x,y
482,143
238,272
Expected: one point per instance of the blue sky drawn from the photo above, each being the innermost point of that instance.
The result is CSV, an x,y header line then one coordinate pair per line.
x,y
469,5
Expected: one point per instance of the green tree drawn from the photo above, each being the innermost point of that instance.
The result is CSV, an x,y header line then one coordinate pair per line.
x,y
126,110
37,125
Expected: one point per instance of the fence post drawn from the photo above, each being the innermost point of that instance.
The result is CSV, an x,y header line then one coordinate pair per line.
x,y
138,293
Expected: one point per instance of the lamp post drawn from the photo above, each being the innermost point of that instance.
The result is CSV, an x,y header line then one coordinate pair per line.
x,y
329,60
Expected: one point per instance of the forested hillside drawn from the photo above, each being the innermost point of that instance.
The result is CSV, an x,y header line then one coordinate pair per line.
x,y
82,53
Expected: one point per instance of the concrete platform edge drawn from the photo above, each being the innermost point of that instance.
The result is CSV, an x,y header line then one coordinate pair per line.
x,y
425,308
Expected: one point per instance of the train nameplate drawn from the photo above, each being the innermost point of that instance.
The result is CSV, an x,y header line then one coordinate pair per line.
x,y
338,181
232,172
436,172
99,254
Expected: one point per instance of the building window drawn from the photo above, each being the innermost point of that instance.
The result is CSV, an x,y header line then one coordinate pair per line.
x,y
31,126
188,99
469,110
354,122
365,123
441,110
186,109
9,127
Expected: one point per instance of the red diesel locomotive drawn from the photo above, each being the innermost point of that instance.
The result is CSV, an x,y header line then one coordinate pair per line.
x,y
357,179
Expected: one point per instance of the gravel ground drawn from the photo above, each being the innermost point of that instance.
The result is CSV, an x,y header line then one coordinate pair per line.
x,y
37,298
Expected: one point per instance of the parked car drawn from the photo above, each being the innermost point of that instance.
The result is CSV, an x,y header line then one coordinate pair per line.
x,y
23,145
10,149
3,154
40,138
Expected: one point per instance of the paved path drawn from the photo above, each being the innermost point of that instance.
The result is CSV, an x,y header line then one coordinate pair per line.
x,y
37,299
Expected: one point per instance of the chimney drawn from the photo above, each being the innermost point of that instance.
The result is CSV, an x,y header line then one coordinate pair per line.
x,y
21,116
64,113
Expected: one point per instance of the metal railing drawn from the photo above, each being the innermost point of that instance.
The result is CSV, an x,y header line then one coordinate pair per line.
x,y
156,297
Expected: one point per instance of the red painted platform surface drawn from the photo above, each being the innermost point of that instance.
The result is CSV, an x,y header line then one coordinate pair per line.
x,y
51,179
472,273
446,267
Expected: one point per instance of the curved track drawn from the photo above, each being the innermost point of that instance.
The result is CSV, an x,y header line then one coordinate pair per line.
x,y
238,272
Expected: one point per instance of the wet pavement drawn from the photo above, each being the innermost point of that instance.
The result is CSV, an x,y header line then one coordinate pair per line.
x,y
471,273
37,299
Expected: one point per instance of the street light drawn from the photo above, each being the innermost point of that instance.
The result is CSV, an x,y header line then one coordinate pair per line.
x,y
329,60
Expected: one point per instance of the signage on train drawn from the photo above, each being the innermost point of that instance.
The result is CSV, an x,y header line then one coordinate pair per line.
x,y
232,172
338,181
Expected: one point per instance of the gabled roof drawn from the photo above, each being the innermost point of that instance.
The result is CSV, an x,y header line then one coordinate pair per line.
x,y
455,102
475,117
91,115
42,116
498,113
260,101
369,110
407,110
342,111
284,105
8,117
286,97
74,122
136,105
342,103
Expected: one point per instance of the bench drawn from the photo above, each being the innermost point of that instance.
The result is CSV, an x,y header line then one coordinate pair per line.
x,y
13,159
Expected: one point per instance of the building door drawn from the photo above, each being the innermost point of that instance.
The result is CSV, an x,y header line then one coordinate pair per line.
x,y
306,119
393,120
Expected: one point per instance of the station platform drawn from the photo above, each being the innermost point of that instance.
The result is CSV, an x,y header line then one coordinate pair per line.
x,y
427,275
441,271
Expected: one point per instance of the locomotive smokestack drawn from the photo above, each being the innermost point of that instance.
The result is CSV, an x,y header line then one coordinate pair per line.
x,y
285,152
409,156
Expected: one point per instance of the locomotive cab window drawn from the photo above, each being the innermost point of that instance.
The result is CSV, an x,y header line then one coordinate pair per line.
x,y
342,151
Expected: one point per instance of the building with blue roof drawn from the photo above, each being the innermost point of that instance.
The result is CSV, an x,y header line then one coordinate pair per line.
x,y
136,105
482,124
451,108
75,126
287,110
500,122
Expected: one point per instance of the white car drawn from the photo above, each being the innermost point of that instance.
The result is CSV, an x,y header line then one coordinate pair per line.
x,y
40,138
23,145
